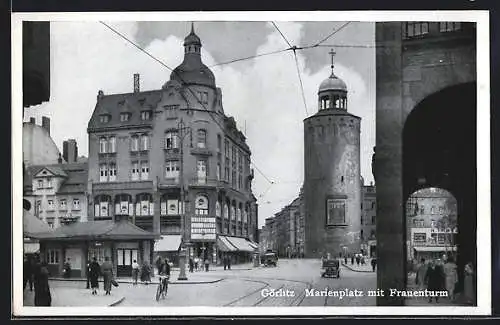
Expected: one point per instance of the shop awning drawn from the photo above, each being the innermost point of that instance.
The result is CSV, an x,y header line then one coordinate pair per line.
x,y
31,248
224,245
168,243
252,244
434,249
241,244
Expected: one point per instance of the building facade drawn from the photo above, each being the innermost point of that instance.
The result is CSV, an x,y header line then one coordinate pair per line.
x,y
425,135
332,190
173,161
369,220
57,193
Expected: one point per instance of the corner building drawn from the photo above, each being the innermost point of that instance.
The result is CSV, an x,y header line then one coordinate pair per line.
x,y
144,145
332,189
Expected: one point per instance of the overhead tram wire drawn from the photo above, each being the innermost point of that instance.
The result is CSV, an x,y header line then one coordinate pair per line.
x,y
276,26
247,58
189,89
301,84
331,34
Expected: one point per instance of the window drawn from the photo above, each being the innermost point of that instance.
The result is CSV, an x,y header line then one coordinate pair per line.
x,y
123,205
145,115
233,179
104,118
226,211
102,145
419,237
103,173
171,140
218,171
40,183
335,212
112,144
226,172
53,256
374,221
239,181
172,169
174,207
233,212
433,210
218,210
112,172
219,142
415,29
101,206
202,171
49,182
201,205
202,139
134,143
144,205
203,97
62,204
144,170
171,111
433,223
135,171
449,26
144,142
226,149
50,204
373,205
76,204
124,117
372,233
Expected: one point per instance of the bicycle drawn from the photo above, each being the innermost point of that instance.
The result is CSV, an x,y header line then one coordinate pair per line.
x,y
161,291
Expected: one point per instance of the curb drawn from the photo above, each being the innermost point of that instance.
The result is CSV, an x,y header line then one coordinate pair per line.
x,y
130,282
119,301
354,270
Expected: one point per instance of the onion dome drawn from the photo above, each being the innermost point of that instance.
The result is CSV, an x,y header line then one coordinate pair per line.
x,y
192,70
332,83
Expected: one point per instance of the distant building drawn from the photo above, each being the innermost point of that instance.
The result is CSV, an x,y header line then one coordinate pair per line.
x,y
332,190
369,220
38,146
57,193
70,151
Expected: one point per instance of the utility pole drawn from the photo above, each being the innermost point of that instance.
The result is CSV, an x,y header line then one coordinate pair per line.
x,y
182,131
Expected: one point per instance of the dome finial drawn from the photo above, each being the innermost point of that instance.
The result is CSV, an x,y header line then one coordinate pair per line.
x,y
332,53
192,27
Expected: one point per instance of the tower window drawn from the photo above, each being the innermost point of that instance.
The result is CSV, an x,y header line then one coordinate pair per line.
x,y
335,212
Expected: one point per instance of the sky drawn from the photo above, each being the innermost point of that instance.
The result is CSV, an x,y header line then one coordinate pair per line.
x,y
262,94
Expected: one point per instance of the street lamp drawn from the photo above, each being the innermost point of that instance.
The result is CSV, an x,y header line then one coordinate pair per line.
x,y
182,131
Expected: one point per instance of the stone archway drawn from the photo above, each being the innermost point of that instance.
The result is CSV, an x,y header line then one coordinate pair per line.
x,y
439,150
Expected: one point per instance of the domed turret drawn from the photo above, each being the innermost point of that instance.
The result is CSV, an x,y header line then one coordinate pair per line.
x,y
332,92
192,70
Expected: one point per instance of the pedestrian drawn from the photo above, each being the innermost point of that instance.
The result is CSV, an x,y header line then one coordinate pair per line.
x,y
362,260
158,263
196,262
191,264
451,277
421,273
229,262
207,263
145,273
435,278
67,269
87,274
42,289
469,280
224,261
28,272
94,273
107,272
345,260
374,263
352,259
358,259
135,271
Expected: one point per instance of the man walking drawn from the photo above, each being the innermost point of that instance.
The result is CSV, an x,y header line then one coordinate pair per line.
x,y
28,272
135,271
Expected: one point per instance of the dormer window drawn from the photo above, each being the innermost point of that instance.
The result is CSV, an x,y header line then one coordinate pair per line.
x,y
203,96
145,115
124,117
104,118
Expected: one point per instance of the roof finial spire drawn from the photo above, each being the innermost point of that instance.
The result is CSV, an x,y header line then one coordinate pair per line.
x,y
332,53
192,27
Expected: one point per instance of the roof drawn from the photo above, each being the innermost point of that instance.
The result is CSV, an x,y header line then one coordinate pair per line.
x,y
132,103
97,230
332,83
32,225
56,170
75,174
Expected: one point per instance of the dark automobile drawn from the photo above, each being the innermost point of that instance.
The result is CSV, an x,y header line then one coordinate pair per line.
x,y
330,269
270,258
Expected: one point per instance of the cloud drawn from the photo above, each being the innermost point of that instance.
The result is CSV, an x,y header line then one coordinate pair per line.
x,y
262,94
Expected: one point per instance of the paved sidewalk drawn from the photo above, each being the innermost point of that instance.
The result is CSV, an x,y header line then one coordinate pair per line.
x,y
77,297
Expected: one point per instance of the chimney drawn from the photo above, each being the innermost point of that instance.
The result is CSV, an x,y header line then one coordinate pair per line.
x,y
32,120
137,87
46,123
70,151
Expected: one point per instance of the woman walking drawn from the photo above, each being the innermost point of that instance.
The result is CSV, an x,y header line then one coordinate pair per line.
x,y
451,277
42,289
107,272
94,273
145,273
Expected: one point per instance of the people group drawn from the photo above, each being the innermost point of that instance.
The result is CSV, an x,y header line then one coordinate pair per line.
x,y
441,275
36,273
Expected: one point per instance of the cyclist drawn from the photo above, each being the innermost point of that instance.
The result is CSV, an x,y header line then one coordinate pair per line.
x,y
164,275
